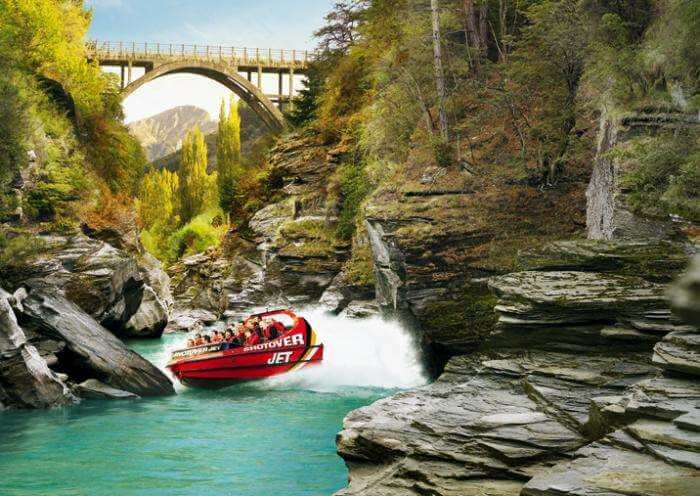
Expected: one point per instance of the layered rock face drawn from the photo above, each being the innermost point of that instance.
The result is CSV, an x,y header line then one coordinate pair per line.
x,y
563,399
296,236
52,353
128,296
608,212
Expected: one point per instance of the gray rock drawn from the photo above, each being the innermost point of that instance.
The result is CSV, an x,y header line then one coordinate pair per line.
x,y
679,352
185,320
94,389
360,310
91,347
26,381
487,424
150,319
105,282
604,469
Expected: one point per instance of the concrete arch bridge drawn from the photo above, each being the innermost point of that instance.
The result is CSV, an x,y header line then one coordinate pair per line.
x,y
222,64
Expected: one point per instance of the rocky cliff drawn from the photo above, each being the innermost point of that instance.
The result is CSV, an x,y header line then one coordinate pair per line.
x,y
567,373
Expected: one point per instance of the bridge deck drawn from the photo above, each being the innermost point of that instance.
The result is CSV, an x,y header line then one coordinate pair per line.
x,y
146,54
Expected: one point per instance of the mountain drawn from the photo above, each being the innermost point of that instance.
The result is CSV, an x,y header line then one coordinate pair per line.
x,y
252,128
162,134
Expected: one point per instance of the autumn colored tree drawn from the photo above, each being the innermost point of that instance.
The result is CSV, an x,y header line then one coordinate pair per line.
x,y
228,156
197,190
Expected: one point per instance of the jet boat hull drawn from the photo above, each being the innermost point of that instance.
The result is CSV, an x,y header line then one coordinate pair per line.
x,y
213,366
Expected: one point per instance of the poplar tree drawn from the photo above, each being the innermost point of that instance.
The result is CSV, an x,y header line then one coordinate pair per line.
x,y
195,183
228,155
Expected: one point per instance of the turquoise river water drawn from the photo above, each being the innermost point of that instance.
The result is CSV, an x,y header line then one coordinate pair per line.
x,y
267,438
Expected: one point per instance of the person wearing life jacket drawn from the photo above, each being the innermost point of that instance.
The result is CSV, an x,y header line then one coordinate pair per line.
x,y
251,338
269,330
198,340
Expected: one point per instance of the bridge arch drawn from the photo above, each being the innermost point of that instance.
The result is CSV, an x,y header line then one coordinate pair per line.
x,y
224,74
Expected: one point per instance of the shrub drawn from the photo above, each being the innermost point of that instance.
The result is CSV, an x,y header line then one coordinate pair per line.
x,y
354,188
196,236
664,177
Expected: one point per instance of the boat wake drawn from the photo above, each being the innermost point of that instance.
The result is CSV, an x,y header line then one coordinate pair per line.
x,y
360,354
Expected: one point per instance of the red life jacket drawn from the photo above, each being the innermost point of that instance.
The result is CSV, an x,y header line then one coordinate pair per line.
x,y
252,340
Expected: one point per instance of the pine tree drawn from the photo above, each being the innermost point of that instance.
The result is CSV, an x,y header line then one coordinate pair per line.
x,y
195,183
228,156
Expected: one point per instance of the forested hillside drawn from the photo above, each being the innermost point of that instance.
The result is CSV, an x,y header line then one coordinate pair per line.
x,y
66,157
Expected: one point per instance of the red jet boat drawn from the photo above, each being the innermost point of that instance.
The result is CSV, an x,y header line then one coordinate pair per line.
x,y
216,366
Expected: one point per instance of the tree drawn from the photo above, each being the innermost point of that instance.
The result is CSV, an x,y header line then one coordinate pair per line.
x,y
157,204
340,31
195,184
228,155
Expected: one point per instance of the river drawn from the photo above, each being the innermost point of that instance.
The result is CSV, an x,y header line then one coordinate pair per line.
x,y
272,437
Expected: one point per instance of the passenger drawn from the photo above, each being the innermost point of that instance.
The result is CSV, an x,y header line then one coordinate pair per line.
x,y
207,339
251,338
216,337
190,343
228,336
269,330
198,340
279,327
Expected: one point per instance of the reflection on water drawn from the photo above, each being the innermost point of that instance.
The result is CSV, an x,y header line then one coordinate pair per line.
x,y
273,437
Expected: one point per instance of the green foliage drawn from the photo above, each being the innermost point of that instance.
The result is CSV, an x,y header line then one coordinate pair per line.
x,y
308,238
354,188
197,188
157,205
228,157
14,130
202,232
45,37
664,177
18,249
304,107
359,269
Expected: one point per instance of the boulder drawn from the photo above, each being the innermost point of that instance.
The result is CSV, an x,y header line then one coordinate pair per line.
x,y
150,318
91,351
187,319
105,282
94,389
26,381
341,293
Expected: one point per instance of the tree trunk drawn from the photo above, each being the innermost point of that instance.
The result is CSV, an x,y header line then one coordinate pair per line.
x,y
483,28
439,74
472,35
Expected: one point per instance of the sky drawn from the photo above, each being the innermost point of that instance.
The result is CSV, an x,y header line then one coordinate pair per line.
x,y
257,24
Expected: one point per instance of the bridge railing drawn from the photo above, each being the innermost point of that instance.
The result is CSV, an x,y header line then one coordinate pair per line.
x,y
118,50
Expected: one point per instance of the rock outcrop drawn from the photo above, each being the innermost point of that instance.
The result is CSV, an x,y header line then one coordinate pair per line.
x,y
609,215
26,381
52,352
90,350
563,398
109,284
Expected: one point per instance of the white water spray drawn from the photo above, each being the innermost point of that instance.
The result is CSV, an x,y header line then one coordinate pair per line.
x,y
365,353
368,353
